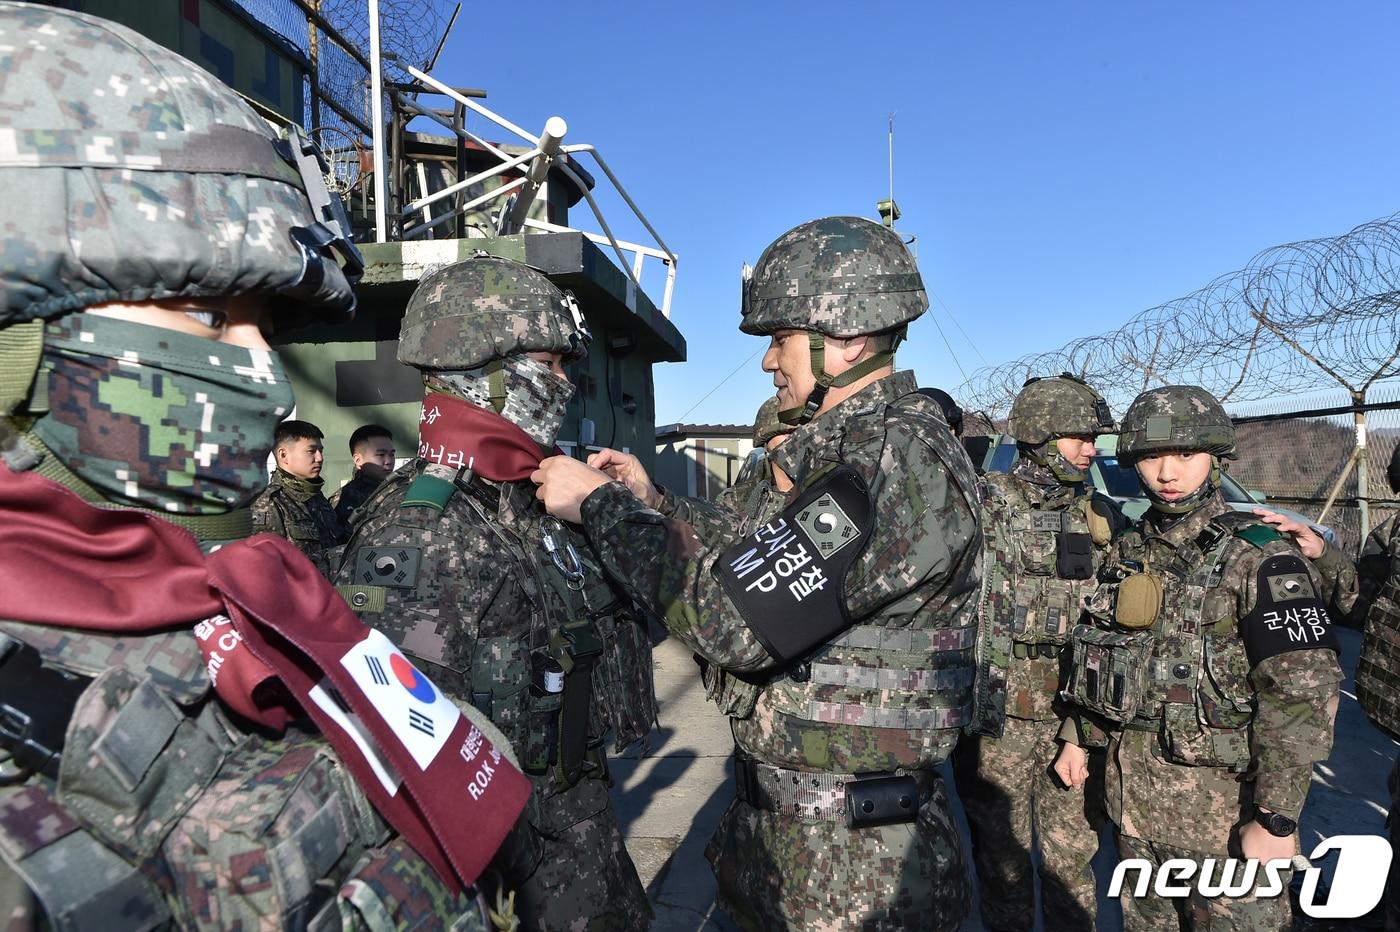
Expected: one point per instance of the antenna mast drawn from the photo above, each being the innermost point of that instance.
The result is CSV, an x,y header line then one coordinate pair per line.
x,y
889,211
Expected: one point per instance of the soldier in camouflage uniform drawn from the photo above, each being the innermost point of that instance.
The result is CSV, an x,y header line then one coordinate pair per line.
x,y
1211,664
292,505
1047,535
457,563
1370,588
843,617
153,223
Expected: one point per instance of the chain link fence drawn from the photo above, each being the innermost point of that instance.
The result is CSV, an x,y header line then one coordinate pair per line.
x,y
1323,456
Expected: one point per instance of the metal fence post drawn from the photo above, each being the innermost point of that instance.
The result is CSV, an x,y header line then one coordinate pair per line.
x,y
1363,506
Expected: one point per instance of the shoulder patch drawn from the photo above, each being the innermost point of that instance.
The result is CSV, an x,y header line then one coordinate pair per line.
x,y
428,491
1287,614
788,578
1258,534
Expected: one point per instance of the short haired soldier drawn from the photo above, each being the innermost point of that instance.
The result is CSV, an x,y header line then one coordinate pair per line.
x,y
849,607
154,227
1211,663
457,563
372,456
293,505
1047,535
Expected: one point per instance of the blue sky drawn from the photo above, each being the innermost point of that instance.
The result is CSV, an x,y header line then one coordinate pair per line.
x,y
1063,164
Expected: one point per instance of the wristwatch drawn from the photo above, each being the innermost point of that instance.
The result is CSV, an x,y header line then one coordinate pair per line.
x,y
1276,823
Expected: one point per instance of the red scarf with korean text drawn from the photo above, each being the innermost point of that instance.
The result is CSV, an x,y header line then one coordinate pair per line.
x,y
457,433
268,618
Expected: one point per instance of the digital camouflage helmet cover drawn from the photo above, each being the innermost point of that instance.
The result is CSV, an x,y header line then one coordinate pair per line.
x,y
1175,419
835,277
133,175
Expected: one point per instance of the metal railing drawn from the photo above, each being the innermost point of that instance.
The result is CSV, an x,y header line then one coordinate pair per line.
x,y
546,153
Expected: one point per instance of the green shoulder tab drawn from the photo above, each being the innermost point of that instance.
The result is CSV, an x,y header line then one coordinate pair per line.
x,y
1258,534
428,491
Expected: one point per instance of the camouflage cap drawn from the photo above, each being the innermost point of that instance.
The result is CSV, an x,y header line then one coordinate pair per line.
x,y
1178,418
839,276
131,174
1058,406
464,315
766,425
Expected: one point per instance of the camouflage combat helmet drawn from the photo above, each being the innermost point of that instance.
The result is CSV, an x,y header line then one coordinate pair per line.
x,y
1058,406
131,174
767,425
465,315
834,277
1175,418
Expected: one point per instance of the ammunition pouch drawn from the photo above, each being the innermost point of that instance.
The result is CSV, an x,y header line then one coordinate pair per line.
x,y
1109,672
1074,556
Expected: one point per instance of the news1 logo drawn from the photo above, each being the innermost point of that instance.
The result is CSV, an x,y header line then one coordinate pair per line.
x,y
1357,884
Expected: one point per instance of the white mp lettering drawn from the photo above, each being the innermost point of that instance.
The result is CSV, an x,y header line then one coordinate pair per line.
x,y
746,563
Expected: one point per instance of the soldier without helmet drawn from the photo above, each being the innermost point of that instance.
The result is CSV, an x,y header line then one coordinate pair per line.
x,y
151,237
1048,533
1209,667
842,615
454,559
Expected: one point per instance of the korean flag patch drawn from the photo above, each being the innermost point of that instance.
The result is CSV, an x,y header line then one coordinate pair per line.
x,y
410,703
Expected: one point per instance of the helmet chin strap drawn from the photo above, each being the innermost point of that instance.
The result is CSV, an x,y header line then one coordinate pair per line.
x,y
826,382
1063,469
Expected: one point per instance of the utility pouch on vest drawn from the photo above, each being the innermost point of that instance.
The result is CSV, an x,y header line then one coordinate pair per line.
x,y
1378,670
1074,556
1108,673
1139,601
788,578
873,801
36,703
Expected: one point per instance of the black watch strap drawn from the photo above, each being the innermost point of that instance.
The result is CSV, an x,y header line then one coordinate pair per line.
x,y
1276,823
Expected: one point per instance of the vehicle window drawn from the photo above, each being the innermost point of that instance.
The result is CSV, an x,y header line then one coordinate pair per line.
x,y
1119,481
1003,458
1233,491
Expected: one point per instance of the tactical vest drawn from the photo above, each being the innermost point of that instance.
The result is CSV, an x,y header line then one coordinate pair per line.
x,y
879,675
1378,669
1040,564
554,682
1187,676
157,792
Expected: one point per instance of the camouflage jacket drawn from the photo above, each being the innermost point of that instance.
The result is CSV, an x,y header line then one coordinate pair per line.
x,y
295,509
915,583
456,570
1370,591
352,495
1033,596
1238,676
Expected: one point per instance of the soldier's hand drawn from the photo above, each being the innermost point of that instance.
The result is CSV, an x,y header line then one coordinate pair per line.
x,y
1303,536
1072,765
627,469
1263,845
564,483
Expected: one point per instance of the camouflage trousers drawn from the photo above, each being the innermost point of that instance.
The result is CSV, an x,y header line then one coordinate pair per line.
x,y
1153,913
1013,801
776,871
586,882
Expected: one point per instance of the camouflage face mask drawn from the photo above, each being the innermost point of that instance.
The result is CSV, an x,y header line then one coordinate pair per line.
x,y
161,419
519,389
